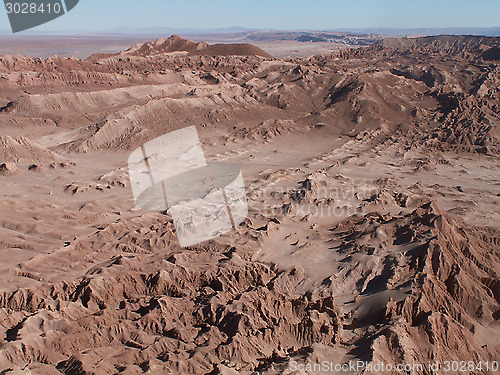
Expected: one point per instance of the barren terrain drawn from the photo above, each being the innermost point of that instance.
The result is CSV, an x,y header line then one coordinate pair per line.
x,y
373,182
278,44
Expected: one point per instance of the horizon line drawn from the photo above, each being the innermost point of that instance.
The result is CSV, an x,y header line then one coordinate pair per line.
x,y
236,29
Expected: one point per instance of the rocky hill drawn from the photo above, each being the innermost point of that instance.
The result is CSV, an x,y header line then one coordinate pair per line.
x,y
372,178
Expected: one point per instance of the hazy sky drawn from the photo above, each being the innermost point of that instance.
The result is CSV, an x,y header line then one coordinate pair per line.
x,y
99,15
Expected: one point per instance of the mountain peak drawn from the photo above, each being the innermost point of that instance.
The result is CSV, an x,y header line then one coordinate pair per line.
x,y
176,43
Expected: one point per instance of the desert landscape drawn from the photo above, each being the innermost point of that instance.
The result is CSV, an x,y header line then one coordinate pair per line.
x,y
372,175
279,44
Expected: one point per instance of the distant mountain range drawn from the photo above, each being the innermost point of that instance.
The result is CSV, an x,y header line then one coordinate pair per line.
x,y
486,31
491,31
135,30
